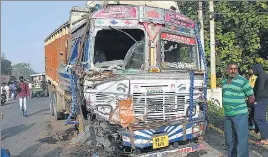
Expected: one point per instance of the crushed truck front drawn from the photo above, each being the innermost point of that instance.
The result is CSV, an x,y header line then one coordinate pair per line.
x,y
143,84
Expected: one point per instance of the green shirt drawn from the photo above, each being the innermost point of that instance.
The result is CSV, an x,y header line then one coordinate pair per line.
x,y
234,96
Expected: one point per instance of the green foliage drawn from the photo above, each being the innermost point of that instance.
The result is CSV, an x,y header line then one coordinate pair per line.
x,y
215,114
5,66
22,69
241,31
267,113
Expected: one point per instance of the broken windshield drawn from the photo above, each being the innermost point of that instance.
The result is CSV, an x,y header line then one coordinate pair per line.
x,y
177,52
135,56
119,47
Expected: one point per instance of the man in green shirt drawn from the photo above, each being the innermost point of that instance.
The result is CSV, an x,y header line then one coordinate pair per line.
x,y
235,90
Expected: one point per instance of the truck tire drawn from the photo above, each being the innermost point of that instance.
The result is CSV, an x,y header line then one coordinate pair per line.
x,y
53,107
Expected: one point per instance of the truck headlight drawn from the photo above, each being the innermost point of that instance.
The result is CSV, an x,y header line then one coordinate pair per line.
x,y
188,111
104,109
198,128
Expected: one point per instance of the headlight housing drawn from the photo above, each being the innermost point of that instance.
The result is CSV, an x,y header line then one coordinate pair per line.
x,y
188,111
198,128
104,109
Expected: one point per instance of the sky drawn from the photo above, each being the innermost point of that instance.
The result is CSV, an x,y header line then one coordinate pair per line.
x,y
25,25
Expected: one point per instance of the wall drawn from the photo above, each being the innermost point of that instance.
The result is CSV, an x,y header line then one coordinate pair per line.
x,y
215,96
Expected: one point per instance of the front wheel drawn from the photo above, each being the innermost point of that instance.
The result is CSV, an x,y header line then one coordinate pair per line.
x,y
53,107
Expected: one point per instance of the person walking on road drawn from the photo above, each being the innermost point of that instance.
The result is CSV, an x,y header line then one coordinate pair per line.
x,y
261,102
235,90
12,87
252,79
23,92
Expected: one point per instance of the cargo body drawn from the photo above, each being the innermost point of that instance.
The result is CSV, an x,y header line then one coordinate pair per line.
x,y
56,51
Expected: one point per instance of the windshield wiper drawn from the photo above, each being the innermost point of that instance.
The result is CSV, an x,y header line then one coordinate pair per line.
x,y
124,33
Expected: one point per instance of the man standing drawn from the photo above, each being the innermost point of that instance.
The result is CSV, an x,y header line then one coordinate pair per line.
x,y
23,92
261,94
252,79
235,90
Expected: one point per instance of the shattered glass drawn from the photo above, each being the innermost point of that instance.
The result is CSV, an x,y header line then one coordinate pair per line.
x,y
178,55
135,56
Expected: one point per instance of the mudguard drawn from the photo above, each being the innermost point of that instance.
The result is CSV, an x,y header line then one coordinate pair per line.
x,y
5,153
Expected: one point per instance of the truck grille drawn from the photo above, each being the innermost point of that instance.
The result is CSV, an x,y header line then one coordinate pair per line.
x,y
159,106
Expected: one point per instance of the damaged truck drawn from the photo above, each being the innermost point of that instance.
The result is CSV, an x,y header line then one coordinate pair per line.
x,y
133,74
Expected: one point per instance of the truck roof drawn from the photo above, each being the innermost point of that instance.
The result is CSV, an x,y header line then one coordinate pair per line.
x,y
158,4
66,24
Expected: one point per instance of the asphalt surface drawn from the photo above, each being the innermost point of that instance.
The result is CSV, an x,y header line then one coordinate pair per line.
x,y
34,136
40,136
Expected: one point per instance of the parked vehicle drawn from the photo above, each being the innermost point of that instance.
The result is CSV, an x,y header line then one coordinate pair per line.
x,y
133,72
38,86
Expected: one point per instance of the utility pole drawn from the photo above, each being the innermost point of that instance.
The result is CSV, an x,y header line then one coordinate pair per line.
x,y
212,45
200,19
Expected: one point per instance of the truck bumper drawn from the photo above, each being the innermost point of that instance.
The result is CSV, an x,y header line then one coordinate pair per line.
x,y
180,151
175,133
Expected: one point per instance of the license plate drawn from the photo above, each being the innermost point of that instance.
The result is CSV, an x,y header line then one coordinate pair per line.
x,y
154,90
160,141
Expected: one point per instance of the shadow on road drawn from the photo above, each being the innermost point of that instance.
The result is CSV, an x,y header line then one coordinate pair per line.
x,y
49,140
29,152
54,153
40,111
10,102
13,131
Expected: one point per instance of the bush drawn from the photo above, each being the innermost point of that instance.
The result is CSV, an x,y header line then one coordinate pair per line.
x,y
215,115
267,113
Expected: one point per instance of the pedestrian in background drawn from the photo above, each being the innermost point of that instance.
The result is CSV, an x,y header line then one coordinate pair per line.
x,y
6,87
12,87
252,79
261,102
23,93
236,89
2,88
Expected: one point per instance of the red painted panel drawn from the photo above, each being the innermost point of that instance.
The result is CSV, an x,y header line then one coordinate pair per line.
x,y
53,56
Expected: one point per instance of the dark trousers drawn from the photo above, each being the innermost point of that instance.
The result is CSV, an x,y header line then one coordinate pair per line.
x,y
236,135
260,118
251,116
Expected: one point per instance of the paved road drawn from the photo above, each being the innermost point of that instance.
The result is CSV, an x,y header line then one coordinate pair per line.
x,y
39,136
32,136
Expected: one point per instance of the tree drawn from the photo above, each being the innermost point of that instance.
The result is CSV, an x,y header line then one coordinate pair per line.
x,y
5,66
241,31
22,69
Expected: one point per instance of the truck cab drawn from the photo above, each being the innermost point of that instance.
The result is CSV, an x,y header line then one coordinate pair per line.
x,y
136,72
